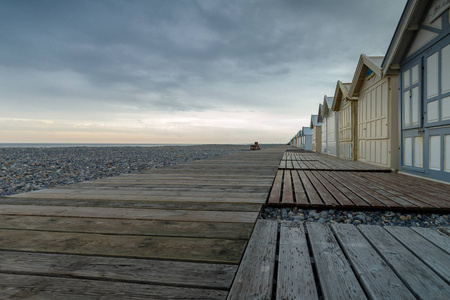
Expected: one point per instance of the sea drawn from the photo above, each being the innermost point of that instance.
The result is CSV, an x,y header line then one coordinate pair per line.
x,y
51,145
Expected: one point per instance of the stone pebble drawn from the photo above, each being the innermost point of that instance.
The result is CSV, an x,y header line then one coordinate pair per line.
x,y
25,169
384,218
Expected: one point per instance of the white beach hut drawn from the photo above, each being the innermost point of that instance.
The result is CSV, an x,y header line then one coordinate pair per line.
x,y
306,134
377,129
329,127
316,127
347,108
420,52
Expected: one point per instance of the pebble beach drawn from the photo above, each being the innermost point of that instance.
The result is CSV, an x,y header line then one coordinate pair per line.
x,y
24,169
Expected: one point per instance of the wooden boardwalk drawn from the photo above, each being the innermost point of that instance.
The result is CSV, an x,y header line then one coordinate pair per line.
x,y
357,188
172,233
339,261
306,160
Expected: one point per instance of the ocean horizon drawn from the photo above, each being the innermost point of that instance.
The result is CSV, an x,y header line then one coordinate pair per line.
x,y
65,145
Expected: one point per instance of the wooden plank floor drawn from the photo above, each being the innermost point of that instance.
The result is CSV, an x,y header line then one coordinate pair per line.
x,y
307,160
172,233
362,189
340,261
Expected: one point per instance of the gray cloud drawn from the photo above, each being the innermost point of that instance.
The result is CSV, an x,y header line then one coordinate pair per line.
x,y
187,55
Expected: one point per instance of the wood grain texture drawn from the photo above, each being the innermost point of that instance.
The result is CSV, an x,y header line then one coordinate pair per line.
x,y
435,258
295,274
420,279
436,236
335,274
176,248
129,227
379,281
129,213
254,278
146,271
13,286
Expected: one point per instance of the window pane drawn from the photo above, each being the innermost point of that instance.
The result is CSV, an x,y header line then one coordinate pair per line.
x,y
415,74
407,152
406,79
445,112
433,111
418,151
415,105
407,108
445,69
432,75
435,152
447,153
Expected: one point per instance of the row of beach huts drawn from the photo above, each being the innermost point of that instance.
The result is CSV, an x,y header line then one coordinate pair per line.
x,y
395,112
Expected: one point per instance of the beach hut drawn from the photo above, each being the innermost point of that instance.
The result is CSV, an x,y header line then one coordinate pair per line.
x,y
316,127
347,109
420,52
377,128
329,127
306,134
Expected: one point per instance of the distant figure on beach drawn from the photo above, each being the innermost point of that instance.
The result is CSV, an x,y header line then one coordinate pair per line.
x,y
255,146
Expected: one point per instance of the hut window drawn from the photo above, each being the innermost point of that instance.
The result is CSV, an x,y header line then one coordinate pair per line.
x,y
435,152
432,75
447,152
407,152
433,111
445,108
445,69
418,151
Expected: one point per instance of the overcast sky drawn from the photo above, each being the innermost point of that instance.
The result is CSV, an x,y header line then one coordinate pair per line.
x,y
161,71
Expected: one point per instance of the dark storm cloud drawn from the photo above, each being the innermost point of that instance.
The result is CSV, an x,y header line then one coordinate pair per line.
x,y
183,52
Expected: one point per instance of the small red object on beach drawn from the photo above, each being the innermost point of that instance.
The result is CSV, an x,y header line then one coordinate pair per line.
x,y
255,146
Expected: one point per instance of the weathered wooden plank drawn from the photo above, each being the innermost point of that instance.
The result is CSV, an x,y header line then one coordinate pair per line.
x,y
436,236
430,254
300,194
341,198
254,278
189,204
379,281
176,248
130,213
275,193
133,227
335,274
13,286
295,274
313,196
327,198
420,279
288,194
188,274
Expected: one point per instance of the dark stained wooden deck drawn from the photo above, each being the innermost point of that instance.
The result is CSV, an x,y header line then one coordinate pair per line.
x,y
363,188
340,261
172,233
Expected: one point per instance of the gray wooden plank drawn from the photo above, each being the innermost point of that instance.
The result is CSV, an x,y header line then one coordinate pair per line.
x,y
14,286
379,281
436,236
146,271
430,254
133,246
295,274
420,279
254,278
130,213
335,274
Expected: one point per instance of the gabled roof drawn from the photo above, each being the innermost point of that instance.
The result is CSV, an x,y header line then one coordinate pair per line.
x,y
365,64
340,92
404,33
327,104
306,131
314,121
319,113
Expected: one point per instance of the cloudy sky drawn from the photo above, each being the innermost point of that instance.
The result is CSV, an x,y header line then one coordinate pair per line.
x,y
178,71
